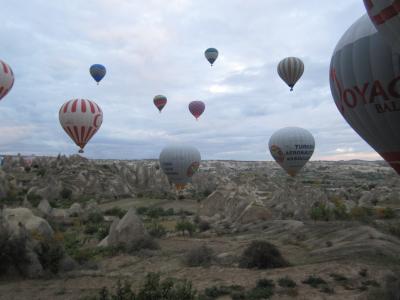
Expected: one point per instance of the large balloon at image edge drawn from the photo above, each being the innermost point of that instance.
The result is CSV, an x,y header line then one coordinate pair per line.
x,y
290,69
98,72
180,163
196,108
81,119
365,85
6,79
211,55
160,101
292,148
385,14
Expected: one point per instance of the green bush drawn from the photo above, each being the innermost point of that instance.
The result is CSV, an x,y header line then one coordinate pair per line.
x,y
320,212
184,225
157,230
12,251
314,281
142,210
65,193
41,172
286,282
50,253
116,211
203,225
95,217
199,256
262,255
34,199
146,242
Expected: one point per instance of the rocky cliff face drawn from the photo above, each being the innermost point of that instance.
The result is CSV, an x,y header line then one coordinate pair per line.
x,y
228,190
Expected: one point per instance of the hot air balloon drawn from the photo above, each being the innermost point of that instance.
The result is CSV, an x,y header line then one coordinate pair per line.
x,y
290,70
291,147
98,72
80,118
179,163
365,84
160,101
197,108
6,79
211,55
385,16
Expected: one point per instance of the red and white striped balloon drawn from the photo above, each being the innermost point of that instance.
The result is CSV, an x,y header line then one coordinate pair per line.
x,y
6,79
385,14
80,118
197,108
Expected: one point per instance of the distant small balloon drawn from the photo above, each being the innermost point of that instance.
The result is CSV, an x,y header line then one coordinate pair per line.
x,y
160,101
290,70
211,55
6,79
197,108
291,147
98,72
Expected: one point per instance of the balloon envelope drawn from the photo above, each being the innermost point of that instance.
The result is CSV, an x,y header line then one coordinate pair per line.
x,y
386,18
291,147
197,108
211,55
290,69
80,118
365,84
179,163
98,72
6,79
160,101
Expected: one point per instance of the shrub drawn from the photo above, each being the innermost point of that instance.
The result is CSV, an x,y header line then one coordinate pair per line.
x,y
363,272
339,277
34,199
262,255
145,242
385,213
116,211
360,213
142,210
286,282
314,281
50,253
154,289
216,291
65,193
320,212
95,217
203,225
327,290
41,172
157,230
264,290
265,283
12,251
199,256
184,225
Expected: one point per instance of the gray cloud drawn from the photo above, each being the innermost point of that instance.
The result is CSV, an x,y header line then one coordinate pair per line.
x,y
156,47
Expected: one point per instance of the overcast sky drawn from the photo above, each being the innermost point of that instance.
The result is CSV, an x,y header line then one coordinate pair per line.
x,y
157,47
